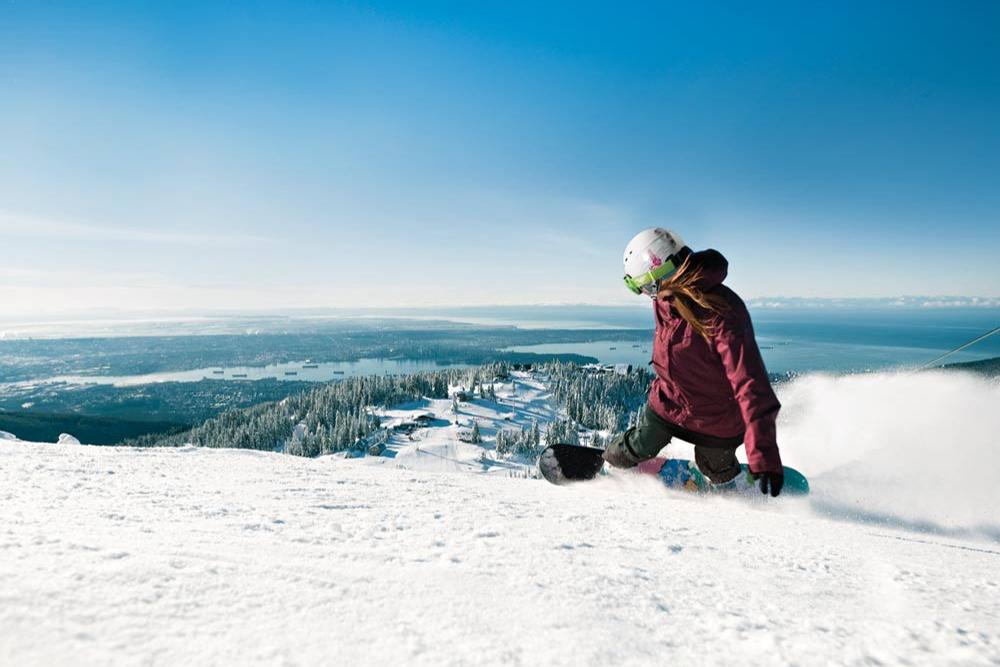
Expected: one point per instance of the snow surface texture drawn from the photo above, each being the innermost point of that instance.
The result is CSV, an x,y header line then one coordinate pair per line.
x,y
197,556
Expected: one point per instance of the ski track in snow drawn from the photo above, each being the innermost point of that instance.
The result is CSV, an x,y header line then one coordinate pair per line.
x,y
192,556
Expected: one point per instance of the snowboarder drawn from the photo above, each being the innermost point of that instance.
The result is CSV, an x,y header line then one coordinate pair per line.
x,y
711,388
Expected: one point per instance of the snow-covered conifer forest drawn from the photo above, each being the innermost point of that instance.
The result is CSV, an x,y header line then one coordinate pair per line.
x,y
350,416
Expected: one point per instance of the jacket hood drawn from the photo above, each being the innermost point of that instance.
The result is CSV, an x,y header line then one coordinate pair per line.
x,y
713,266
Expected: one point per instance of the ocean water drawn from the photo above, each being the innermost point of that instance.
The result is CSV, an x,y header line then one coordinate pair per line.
x,y
864,340
795,339
835,340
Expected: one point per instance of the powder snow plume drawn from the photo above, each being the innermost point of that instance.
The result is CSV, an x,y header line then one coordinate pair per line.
x,y
913,450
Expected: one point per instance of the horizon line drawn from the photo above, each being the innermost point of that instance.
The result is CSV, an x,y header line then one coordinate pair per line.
x,y
897,302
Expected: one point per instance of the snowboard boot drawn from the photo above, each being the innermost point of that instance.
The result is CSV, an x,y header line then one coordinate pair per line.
x,y
742,482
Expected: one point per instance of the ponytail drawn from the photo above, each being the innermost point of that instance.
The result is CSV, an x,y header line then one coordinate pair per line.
x,y
698,308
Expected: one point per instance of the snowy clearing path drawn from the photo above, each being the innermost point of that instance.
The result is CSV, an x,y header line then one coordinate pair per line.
x,y
123,556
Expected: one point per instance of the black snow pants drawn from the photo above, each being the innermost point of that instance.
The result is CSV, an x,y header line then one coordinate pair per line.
x,y
715,457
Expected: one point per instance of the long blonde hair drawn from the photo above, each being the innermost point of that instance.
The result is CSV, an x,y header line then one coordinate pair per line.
x,y
698,308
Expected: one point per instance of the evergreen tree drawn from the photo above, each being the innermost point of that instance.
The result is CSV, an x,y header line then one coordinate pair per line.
x,y
340,416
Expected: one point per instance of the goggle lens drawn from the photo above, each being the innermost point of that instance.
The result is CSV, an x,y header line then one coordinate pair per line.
x,y
646,283
632,286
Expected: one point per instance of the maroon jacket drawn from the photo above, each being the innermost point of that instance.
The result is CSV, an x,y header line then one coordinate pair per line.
x,y
718,388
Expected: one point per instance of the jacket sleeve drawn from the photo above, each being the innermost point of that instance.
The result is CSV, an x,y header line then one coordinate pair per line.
x,y
737,347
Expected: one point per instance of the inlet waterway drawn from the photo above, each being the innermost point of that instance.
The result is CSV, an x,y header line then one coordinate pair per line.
x,y
298,370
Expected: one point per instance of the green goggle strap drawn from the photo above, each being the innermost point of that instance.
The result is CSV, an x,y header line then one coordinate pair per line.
x,y
636,284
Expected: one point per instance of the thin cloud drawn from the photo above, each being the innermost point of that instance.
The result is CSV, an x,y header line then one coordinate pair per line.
x,y
25,226
11,276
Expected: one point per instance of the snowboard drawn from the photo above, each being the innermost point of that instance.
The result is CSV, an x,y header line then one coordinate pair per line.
x,y
565,464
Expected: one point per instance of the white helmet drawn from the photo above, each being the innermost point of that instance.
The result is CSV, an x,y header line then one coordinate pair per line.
x,y
652,255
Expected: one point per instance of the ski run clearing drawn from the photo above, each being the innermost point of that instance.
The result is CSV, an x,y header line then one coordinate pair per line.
x,y
201,557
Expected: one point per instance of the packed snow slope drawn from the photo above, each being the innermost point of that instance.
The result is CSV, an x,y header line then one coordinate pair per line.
x,y
201,556
197,556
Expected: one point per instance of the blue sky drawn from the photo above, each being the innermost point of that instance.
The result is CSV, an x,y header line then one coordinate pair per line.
x,y
270,155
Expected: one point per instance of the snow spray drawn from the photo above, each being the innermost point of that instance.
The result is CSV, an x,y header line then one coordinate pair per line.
x,y
915,450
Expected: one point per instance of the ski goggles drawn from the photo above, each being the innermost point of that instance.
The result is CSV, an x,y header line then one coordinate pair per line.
x,y
646,282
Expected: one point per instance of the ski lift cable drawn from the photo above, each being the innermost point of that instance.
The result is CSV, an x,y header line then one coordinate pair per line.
x,y
958,349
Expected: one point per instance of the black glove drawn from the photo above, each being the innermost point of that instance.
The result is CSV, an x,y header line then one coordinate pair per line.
x,y
774,480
